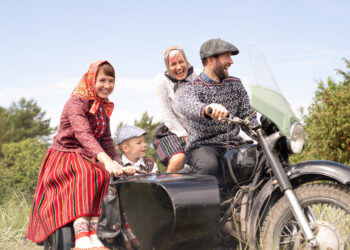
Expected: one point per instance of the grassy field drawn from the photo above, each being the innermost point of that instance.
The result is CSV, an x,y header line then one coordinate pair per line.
x,y
13,220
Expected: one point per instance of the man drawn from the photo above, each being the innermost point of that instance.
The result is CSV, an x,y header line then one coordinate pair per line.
x,y
213,90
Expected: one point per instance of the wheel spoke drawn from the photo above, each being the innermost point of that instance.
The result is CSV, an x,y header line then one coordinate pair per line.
x,y
290,232
327,211
285,242
323,211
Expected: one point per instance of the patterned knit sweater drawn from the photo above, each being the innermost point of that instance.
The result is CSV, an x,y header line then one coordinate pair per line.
x,y
201,92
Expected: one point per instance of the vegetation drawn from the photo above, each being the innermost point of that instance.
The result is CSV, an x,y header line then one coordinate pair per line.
x,y
19,167
23,131
14,215
23,120
327,123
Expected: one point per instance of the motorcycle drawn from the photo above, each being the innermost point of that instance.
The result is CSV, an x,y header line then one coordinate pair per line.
x,y
267,202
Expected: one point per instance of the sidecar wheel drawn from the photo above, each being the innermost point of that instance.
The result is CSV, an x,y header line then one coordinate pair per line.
x,y
328,210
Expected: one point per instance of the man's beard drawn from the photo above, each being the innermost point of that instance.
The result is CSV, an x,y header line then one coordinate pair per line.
x,y
219,70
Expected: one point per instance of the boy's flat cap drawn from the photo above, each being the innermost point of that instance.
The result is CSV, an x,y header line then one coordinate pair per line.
x,y
128,131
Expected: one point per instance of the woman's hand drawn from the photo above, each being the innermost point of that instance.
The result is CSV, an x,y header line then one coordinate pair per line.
x,y
217,111
114,168
185,138
129,170
110,165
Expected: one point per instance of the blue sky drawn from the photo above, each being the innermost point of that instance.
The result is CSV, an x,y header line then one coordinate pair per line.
x,y
46,46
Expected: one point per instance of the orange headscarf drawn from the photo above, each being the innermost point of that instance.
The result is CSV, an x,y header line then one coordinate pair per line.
x,y
85,89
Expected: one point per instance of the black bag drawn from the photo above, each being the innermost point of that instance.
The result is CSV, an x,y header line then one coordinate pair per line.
x,y
109,222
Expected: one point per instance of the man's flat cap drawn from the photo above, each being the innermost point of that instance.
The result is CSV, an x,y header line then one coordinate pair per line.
x,y
217,46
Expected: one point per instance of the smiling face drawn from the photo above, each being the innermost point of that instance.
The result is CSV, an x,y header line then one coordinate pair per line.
x,y
177,65
222,63
104,85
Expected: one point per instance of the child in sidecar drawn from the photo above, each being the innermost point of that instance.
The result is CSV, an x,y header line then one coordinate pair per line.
x,y
131,142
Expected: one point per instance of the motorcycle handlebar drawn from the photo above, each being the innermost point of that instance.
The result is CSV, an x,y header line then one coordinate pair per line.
x,y
210,111
231,119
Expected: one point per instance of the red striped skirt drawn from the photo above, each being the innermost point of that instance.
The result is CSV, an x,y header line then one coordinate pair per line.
x,y
70,185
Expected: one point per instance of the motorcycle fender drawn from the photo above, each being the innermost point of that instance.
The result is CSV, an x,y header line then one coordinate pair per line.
x,y
316,169
329,169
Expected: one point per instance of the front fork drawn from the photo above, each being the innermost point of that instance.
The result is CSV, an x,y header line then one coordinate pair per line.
x,y
285,185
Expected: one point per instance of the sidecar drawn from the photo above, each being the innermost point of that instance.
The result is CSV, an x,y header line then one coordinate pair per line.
x,y
171,211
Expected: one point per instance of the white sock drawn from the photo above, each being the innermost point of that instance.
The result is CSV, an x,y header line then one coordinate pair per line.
x,y
93,233
81,229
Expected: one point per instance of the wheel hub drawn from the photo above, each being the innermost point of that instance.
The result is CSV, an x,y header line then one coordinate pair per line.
x,y
327,236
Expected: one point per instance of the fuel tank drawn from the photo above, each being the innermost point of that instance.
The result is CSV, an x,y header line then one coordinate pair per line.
x,y
172,211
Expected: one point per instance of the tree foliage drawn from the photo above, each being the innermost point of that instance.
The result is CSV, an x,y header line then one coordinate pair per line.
x,y
327,123
22,126
22,120
19,166
3,124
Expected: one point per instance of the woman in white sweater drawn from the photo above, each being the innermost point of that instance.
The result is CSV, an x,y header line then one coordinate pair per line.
x,y
170,137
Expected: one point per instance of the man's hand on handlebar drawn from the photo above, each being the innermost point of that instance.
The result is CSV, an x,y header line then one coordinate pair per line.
x,y
216,111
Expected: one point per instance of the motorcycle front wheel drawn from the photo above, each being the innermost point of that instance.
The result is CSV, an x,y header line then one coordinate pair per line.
x,y
326,207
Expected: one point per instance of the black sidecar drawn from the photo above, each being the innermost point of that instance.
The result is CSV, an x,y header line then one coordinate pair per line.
x,y
171,211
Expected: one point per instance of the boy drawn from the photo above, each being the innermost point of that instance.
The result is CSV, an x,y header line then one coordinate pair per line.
x,y
131,142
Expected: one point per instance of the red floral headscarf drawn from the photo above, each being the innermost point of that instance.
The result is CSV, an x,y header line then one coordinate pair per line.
x,y
85,89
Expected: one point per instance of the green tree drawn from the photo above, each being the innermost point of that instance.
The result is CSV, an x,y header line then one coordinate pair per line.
x,y
3,124
327,123
19,167
22,120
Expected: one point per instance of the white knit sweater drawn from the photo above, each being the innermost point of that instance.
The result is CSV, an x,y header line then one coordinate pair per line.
x,y
169,103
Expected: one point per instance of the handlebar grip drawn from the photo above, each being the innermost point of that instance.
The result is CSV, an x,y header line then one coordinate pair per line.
x,y
210,111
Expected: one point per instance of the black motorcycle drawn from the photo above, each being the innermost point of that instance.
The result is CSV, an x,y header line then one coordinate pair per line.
x,y
267,204
270,204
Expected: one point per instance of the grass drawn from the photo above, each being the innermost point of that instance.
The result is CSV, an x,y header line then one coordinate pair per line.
x,y
14,216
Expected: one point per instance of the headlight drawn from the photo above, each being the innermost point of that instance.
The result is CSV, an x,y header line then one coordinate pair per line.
x,y
297,135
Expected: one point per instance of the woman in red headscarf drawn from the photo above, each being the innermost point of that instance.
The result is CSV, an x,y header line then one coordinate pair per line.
x,y
74,173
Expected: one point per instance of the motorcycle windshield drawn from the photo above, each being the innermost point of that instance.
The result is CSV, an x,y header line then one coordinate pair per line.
x,y
266,97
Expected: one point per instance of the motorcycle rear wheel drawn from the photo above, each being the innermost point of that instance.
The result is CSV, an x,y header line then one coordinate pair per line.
x,y
329,219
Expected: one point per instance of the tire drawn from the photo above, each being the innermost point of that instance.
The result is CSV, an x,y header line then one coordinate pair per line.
x,y
330,206
61,239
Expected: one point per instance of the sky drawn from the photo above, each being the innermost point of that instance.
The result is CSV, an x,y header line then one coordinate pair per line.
x,y
47,46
